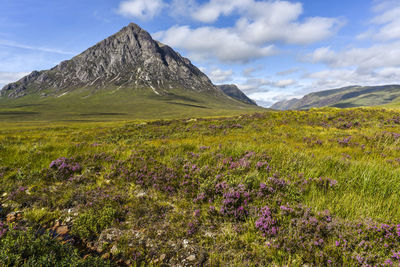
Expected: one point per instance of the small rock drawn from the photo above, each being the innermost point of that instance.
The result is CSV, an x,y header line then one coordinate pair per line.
x,y
14,216
141,194
99,249
62,230
105,256
162,257
57,224
191,258
114,250
11,218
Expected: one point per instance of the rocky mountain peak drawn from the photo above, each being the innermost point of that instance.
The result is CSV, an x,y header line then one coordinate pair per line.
x,y
130,58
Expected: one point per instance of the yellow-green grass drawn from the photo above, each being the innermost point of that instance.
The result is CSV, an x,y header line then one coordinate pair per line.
x,y
369,185
310,144
116,103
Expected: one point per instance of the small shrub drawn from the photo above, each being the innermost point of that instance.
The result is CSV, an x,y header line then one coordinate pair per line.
x,y
235,203
266,223
41,216
90,224
65,167
26,247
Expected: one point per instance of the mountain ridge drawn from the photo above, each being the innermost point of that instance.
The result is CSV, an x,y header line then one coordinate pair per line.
x,y
233,91
345,97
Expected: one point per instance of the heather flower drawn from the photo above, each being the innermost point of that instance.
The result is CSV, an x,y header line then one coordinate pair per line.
x,y
266,223
235,203
250,154
286,209
265,190
221,187
398,230
65,167
197,213
3,229
193,227
389,262
345,141
201,197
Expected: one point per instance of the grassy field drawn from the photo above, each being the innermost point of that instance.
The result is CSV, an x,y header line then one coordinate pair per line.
x,y
318,187
116,104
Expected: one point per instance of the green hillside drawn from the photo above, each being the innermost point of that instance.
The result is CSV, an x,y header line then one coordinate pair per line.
x,y
118,104
347,97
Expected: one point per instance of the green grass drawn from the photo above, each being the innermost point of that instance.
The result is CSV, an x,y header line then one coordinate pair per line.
x,y
111,104
151,215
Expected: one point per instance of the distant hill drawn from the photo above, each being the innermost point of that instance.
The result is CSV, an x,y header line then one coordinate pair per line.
x,y
127,73
234,92
346,97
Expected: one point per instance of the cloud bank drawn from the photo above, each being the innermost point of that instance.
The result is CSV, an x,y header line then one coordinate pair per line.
x,y
259,27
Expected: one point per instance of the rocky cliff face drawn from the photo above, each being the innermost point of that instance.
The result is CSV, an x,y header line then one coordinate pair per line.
x,y
234,92
129,58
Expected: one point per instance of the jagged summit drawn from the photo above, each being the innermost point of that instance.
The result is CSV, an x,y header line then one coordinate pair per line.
x,y
130,58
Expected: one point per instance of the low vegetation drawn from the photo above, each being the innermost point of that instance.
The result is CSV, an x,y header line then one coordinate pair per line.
x,y
318,187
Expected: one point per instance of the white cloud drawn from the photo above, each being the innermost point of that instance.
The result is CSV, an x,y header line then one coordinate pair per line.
x,y
248,72
335,78
288,71
279,22
261,25
253,85
211,11
284,83
386,22
220,76
182,8
141,9
35,48
376,56
9,77
205,42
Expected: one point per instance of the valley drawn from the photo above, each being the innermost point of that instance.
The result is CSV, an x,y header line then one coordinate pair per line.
x,y
283,188
127,154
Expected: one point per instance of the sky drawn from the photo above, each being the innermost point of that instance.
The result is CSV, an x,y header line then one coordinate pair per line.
x,y
272,49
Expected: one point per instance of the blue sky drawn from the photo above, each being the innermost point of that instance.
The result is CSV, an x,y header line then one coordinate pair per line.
x,y
273,50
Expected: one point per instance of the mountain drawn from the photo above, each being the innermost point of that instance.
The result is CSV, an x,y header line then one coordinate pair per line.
x,y
128,58
346,97
127,73
234,92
